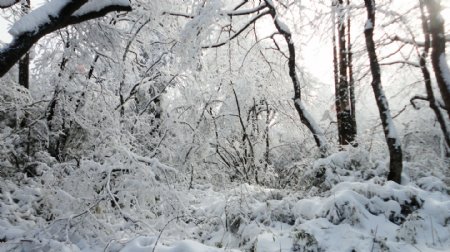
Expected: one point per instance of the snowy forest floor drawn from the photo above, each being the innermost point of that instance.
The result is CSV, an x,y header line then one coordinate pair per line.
x,y
342,205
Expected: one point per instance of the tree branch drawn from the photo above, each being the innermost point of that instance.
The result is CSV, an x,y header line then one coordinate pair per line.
x,y
424,98
251,21
24,37
412,41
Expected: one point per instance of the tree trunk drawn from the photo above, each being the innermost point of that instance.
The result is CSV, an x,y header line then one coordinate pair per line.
x,y
351,81
336,73
24,62
24,71
345,114
438,59
392,139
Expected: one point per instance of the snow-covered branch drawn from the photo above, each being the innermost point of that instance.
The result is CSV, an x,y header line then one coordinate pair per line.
x,y
243,28
7,3
413,42
226,13
50,17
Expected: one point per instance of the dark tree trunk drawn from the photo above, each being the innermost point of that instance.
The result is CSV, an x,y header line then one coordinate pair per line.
x,y
438,59
24,71
351,81
344,117
24,62
337,102
392,140
344,107
266,134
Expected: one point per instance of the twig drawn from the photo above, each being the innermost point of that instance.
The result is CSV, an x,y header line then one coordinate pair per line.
x,y
162,230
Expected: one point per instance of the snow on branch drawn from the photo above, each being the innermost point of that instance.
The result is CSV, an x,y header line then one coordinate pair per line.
x,y
407,41
94,6
226,13
413,42
7,3
250,22
50,17
178,14
246,11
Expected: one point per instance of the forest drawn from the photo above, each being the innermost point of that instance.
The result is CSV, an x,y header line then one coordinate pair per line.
x,y
224,125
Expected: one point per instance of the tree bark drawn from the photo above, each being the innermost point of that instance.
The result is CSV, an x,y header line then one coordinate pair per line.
x,y
336,74
346,120
24,71
392,139
24,62
351,81
344,116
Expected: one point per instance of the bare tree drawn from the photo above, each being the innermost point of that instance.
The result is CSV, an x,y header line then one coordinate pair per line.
x,y
342,60
392,139
305,117
433,103
438,59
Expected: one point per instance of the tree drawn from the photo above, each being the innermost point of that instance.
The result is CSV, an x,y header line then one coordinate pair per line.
x,y
303,113
343,70
52,16
392,139
438,58
422,48
433,103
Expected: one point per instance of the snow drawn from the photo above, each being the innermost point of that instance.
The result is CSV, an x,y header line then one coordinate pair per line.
x,y
270,3
95,5
246,11
282,26
368,25
145,244
117,197
444,70
314,125
42,15
38,17
390,128
345,212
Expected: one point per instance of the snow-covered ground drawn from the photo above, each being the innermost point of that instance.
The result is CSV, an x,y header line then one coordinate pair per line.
x,y
348,206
